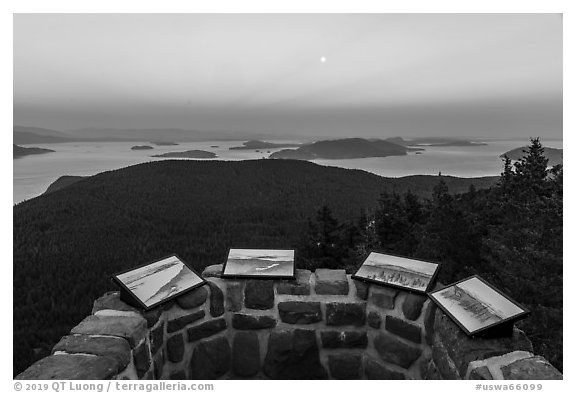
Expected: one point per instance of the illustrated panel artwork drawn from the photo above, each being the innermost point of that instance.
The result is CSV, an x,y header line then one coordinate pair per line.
x,y
396,271
259,263
159,281
476,306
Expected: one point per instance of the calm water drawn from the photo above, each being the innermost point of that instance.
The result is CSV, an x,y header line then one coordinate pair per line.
x,y
33,174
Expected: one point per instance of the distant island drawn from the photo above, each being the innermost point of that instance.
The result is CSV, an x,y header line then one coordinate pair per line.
x,y
63,182
142,147
163,143
348,148
554,155
453,143
31,135
188,154
435,141
26,135
20,151
255,144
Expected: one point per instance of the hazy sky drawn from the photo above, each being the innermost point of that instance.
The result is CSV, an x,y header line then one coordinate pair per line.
x,y
321,74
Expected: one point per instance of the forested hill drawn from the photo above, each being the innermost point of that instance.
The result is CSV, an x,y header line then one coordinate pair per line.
x,y
68,242
343,149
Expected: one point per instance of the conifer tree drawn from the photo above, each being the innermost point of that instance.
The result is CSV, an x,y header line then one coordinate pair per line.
x,y
391,222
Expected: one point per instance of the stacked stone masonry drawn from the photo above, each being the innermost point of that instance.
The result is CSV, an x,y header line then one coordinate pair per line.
x,y
323,325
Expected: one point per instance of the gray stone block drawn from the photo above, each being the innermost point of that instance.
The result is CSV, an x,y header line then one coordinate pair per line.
x,y
374,320
72,367
116,348
412,306
300,286
192,299
404,329
178,375
246,354
159,362
213,271
345,366
216,300
142,360
429,317
293,354
252,322
300,312
152,316
111,301
175,348
480,373
344,339
375,370
234,296
157,338
210,359
534,368
395,351
259,294
180,323
383,297
429,371
331,282
443,362
362,289
339,314
206,329
133,329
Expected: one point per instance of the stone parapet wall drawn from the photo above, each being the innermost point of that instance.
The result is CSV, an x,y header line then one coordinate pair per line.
x,y
457,356
323,325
